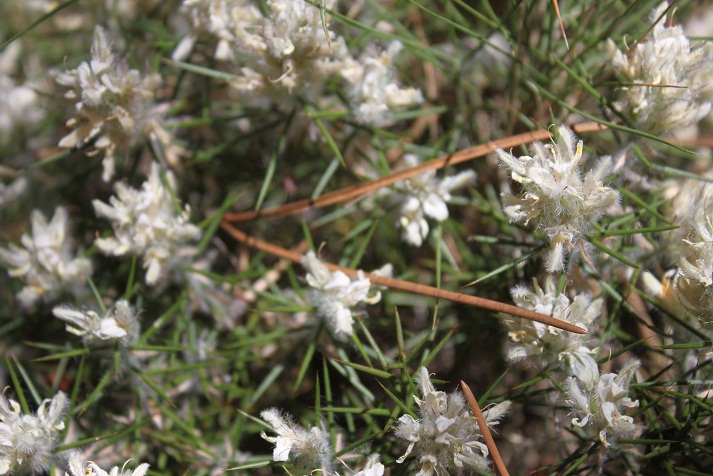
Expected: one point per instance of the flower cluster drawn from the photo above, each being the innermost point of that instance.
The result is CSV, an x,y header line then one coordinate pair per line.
x,y
554,196
44,262
79,467
334,293
112,104
372,88
670,75
549,344
599,407
27,442
121,325
692,243
293,51
308,445
426,196
147,223
446,435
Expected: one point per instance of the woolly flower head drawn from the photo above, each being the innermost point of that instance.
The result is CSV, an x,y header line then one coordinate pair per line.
x,y
671,72
44,261
27,442
426,196
549,344
334,293
147,223
691,244
446,435
309,446
121,325
79,467
373,91
289,50
600,408
555,196
112,103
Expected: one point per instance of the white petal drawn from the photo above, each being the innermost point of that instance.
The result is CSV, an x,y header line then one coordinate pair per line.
x,y
110,330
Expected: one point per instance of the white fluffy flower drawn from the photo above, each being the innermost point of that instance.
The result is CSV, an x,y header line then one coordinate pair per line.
x,y
693,284
554,195
27,442
600,408
310,446
373,91
334,293
147,223
426,196
550,345
671,74
112,103
372,467
79,467
446,436
121,325
691,248
44,261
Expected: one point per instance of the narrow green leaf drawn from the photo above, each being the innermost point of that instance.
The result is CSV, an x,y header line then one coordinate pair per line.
x,y
507,266
62,355
17,387
368,370
266,382
634,231
612,253
155,387
326,176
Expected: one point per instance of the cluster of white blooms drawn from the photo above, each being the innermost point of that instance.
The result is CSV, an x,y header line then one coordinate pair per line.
x,y
44,263
79,467
548,344
292,50
670,75
426,196
147,223
599,407
555,196
334,293
373,91
27,442
310,446
112,104
692,243
222,19
121,325
19,103
446,435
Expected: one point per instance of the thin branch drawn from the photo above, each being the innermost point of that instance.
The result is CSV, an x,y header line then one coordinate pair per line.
x,y
360,190
484,429
408,286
